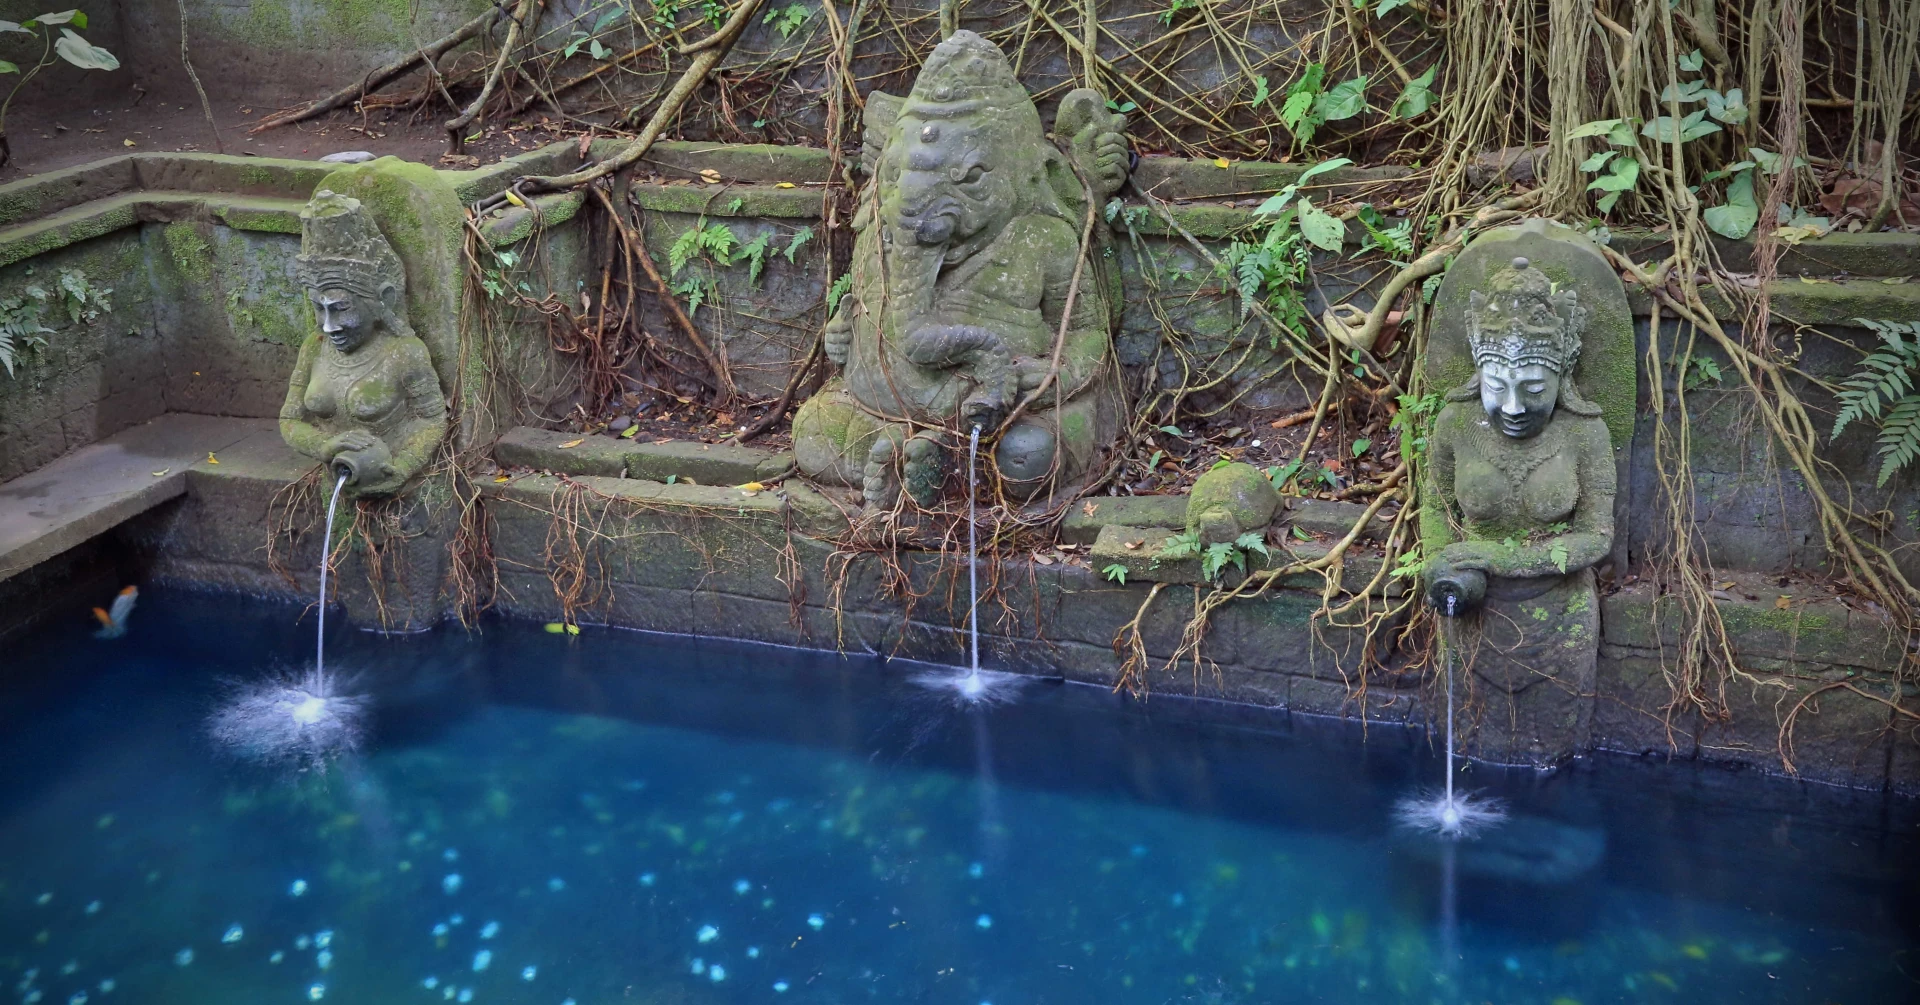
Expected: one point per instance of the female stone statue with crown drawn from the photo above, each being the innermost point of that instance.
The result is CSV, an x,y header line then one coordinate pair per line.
x,y
1523,468
364,398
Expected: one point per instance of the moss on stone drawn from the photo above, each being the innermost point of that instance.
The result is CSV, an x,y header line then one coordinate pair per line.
x,y
191,253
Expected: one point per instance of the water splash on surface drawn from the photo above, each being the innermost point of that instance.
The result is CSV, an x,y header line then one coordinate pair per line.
x,y
297,720
1449,814
976,686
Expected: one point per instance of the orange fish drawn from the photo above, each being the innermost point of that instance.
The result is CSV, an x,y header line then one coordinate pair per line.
x,y
113,624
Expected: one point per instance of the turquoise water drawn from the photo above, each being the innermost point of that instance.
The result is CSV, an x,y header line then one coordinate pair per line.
x,y
638,819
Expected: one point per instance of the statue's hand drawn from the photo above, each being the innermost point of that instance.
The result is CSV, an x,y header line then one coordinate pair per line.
x,y
1030,372
838,338
352,440
1110,160
1474,555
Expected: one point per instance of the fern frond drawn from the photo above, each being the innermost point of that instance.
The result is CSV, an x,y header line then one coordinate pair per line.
x,y
1899,440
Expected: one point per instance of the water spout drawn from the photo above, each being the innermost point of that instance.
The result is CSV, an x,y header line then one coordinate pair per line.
x,y
975,686
326,558
1451,814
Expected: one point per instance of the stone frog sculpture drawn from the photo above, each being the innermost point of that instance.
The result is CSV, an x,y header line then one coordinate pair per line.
x,y
364,398
966,244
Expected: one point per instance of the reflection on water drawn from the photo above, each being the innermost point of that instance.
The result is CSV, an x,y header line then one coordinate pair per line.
x,y
535,818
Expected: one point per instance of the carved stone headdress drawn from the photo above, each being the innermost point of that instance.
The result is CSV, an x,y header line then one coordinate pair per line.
x,y
342,248
1525,320
968,76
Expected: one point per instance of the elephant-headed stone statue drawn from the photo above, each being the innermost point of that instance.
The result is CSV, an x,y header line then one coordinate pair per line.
x,y
973,299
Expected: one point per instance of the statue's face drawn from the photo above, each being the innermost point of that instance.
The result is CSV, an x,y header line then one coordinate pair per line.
x,y
343,318
950,183
1519,399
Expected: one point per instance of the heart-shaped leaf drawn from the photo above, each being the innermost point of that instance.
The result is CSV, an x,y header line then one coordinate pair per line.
x,y
82,53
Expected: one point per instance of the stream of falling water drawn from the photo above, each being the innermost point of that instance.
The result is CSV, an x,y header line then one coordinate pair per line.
x,y
326,556
973,564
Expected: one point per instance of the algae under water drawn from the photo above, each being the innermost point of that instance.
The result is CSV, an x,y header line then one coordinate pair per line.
x,y
621,817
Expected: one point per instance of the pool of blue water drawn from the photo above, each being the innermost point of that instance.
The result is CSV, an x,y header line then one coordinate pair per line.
x,y
635,818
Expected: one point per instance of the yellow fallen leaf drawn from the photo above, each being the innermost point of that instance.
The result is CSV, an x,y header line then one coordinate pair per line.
x,y
514,198
504,478
162,472
1695,951
126,143
710,176
212,459
627,433
1815,281
1222,162
570,444
1727,585
783,184
1133,545
753,487
1895,280
1782,602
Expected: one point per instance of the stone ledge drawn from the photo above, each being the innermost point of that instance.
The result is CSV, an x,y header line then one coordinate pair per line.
x,y
104,216
1084,522
1815,628
613,457
510,223
760,201
96,488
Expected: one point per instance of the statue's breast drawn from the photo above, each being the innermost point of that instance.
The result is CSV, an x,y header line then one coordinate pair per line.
x,y
1537,485
366,397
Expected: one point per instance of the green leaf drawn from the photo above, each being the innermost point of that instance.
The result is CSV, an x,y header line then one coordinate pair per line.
x,y
1321,168
1598,161
1736,219
1730,108
83,54
1343,101
6,67
1605,205
1686,92
1558,553
1294,109
1416,97
78,19
1319,228
1172,430
838,291
1692,61
1254,541
800,238
1624,174
1260,90
1300,534
1690,128
1598,127
1360,445
1383,6
1116,573
13,26
598,51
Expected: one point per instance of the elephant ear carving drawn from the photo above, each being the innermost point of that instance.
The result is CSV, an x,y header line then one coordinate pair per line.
x,y
882,111
1093,140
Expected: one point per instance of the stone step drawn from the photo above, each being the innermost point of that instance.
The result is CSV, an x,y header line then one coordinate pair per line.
x,y
99,486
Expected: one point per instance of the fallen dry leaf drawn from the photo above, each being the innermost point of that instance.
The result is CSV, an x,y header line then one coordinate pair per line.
x,y
1782,602
783,184
1090,508
753,487
1133,545
570,444
1043,559
710,176
504,478
212,459
162,472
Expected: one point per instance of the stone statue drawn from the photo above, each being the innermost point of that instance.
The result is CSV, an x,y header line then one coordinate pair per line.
x,y
964,263
1522,468
364,398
